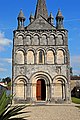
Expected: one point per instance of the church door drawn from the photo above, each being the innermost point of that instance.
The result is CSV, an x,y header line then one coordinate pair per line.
x,y
41,90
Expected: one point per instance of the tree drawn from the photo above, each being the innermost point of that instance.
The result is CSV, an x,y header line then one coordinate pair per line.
x,y
7,111
6,80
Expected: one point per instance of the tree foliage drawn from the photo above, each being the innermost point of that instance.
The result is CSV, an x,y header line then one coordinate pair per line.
x,y
7,111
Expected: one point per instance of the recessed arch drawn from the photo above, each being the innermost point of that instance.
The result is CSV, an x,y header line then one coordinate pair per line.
x,y
35,40
30,57
51,40
20,57
60,40
60,56
41,76
60,87
50,57
19,39
20,88
27,40
43,40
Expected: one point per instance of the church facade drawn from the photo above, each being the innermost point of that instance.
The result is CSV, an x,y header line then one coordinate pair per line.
x,y
41,58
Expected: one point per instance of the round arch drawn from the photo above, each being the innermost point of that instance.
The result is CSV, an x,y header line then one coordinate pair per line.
x,y
20,87
44,77
60,87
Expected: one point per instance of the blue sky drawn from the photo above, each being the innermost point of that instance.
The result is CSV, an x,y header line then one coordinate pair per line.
x,y
9,10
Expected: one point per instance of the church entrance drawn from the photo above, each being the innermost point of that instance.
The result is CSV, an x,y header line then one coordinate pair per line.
x,y
41,90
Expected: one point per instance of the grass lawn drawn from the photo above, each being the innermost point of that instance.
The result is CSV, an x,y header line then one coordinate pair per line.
x,y
76,100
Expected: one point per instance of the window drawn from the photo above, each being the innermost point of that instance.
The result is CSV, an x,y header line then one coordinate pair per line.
x,y
40,56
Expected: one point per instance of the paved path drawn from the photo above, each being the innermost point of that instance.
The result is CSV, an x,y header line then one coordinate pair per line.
x,y
52,113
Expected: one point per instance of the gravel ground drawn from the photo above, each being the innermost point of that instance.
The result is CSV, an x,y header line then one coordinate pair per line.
x,y
52,113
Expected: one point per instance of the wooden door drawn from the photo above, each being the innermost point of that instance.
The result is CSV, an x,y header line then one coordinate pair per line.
x,y
38,90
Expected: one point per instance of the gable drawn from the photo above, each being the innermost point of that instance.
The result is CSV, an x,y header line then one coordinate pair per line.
x,y
40,24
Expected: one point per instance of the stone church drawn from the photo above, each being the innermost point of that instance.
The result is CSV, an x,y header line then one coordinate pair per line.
x,y
41,58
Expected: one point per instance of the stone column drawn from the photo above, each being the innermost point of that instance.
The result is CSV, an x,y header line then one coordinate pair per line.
x,y
35,58
52,92
45,58
25,58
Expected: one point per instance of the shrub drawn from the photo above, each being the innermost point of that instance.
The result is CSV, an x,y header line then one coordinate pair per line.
x,y
6,110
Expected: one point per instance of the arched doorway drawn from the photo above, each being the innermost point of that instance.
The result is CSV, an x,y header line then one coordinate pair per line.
x,y
40,90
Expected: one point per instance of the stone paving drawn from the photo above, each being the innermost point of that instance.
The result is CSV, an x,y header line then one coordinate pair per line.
x,y
52,112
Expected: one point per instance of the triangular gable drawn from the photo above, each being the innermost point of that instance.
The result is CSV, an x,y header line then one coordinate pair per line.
x,y
40,24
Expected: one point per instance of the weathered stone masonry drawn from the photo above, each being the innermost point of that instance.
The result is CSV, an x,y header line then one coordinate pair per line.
x,y
41,58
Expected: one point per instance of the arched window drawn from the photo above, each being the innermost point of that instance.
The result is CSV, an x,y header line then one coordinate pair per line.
x,y
20,57
60,57
50,57
30,57
40,57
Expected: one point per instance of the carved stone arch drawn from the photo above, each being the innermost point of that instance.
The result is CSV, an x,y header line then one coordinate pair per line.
x,y
51,40
61,34
19,56
60,54
28,40
35,39
64,50
30,56
44,77
50,55
43,39
50,48
20,34
20,49
59,40
20,87
32,49
19,39
60,76
40,48
60,89
21,77
38,74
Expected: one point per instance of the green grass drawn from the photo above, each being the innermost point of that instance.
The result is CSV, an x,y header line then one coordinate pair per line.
x,y
76,100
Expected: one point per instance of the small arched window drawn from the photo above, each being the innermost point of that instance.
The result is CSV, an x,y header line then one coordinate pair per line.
x,y
40,57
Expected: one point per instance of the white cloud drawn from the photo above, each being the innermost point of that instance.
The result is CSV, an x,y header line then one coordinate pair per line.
x,y
3,69
8,60
75,64
2,49
4,41
75,60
